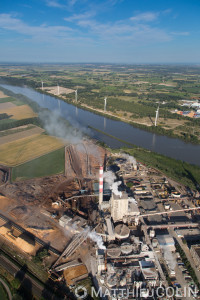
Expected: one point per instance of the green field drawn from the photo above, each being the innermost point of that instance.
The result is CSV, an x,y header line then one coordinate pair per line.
x,y
46,165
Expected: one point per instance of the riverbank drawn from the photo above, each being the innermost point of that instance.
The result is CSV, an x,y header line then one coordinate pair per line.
x,y
123,132
188,138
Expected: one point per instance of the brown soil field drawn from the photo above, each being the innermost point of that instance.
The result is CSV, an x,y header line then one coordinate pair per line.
x,y
18,112
74,272
2,95
20,135
5,203
5,106
28,148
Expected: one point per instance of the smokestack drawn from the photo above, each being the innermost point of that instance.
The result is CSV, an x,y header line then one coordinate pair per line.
x,y
58,89
100,185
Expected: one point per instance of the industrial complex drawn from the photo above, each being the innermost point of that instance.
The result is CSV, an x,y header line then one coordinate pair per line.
x,y
108,217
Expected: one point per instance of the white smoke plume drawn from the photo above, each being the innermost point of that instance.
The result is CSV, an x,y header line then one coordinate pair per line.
x,y
169,258
97,239
56,126
130,159
132,200
115,190
110,178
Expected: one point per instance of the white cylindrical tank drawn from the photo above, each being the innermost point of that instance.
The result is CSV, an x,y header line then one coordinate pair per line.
x,y
122,231
126,248
113,250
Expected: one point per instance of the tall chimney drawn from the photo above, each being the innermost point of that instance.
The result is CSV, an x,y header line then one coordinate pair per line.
x,y
100,185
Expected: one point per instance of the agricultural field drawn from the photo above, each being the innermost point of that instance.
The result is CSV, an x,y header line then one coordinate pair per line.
x,y
17,112
20,135
25,149
45,165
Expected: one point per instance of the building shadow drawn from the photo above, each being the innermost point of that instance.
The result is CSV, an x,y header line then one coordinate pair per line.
x,y
25,289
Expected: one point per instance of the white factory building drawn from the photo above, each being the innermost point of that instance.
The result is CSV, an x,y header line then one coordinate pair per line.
x,y
122,206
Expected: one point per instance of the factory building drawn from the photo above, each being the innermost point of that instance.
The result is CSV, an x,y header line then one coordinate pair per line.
x,y
122,206
119,206
148,270
189,234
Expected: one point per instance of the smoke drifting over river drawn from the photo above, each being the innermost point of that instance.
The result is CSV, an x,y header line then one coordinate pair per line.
x,y
56,126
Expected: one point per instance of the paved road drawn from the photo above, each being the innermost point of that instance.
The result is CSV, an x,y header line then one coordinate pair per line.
x,y
187,252
7,289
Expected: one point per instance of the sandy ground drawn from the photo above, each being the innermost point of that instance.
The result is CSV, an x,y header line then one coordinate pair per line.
x,y
74,272
5,106
2,95
54,90
20,135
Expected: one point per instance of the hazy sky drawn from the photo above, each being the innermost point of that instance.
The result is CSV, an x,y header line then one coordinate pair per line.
x,y
121,31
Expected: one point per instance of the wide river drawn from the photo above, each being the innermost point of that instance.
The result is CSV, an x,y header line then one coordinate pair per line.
x,y
81,118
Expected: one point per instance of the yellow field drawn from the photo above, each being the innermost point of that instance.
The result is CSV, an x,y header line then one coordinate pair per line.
x,y
19,112
26,149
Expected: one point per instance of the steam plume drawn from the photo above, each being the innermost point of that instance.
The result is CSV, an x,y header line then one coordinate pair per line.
x,y
110,178
58,127
97,239
130,159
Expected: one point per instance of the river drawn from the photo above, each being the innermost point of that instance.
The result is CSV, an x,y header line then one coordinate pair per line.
x,y
81,118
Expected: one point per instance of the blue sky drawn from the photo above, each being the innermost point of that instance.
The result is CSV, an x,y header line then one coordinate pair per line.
x,y
115,31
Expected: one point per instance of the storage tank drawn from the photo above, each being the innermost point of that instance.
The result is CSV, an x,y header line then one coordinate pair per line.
x,y
122,231
113,250
126,248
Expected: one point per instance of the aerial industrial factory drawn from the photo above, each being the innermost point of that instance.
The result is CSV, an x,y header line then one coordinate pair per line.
x,y
109,216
